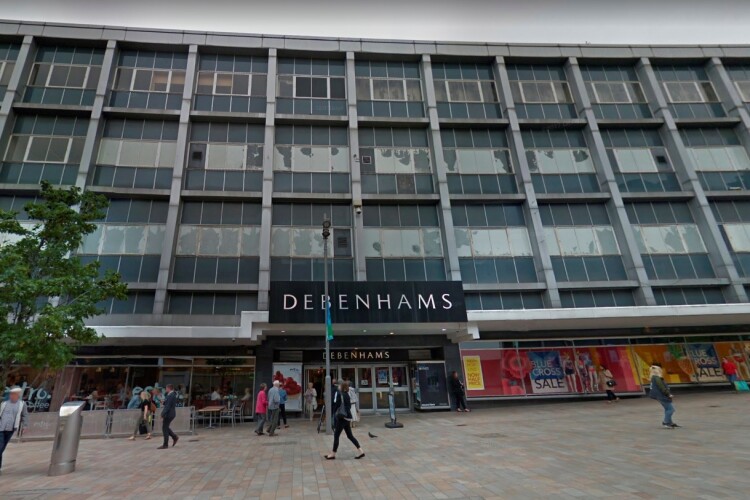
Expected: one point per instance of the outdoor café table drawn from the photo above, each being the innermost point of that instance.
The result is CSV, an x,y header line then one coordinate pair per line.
x,y
211,410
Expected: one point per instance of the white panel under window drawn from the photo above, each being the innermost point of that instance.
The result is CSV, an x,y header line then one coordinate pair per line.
x,y
148,152
463,241
391,242
583,162
130,153
520,246
672,239
744,90
565,161
605,236
113,241
692,237
250,243
373,247
739,158
635,160
155,238
568,241
210,237
282,158
236,155
187,240
501,159
108,151
280,242
339,159
739,236
499,242
385,162
586,241
640,239
545,160
403,161
432,243
135,240
411,243
550,236
229,241
92,241
480,242
301,158
653,239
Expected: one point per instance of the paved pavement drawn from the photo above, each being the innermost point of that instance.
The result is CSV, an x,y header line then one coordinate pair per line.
x,y
567,450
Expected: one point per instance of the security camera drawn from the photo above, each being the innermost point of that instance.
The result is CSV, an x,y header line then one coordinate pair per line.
x,y
234,339
358,209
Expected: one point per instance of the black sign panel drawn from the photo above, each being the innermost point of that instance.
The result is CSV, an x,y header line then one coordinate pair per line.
x,y
432,386
367,302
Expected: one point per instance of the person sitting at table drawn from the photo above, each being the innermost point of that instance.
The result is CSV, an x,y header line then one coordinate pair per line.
x,y
216,395
92,399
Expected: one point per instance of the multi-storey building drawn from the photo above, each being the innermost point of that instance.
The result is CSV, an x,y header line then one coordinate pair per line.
x,y
521,214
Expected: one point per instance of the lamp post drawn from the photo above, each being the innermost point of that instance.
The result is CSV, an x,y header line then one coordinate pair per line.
x,y
326,302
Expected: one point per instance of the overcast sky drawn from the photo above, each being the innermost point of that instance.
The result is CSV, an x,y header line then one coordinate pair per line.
x,y
513,21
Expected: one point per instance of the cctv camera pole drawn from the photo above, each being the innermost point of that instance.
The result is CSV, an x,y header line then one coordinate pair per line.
x,y
327,389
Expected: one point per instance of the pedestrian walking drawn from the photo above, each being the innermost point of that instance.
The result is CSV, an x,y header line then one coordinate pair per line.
x,y
168,413
282,405
274,400
459,394
261,408
311,400
609,384
343,417
730,370
660,392
13,417
142,423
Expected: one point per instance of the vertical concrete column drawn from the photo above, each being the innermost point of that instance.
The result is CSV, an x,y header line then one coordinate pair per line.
x,y
88,157
360,268
730,97
14,90
264,278
170,235
523,177
721,258
449,237
628,246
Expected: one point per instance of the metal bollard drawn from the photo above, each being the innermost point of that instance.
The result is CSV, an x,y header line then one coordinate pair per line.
x,y
67,437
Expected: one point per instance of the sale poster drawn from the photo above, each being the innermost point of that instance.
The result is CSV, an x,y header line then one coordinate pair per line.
x,y
706,362
290,377
737,352
546,372
473,372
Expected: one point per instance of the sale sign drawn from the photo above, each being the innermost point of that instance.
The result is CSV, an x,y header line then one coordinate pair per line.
x,y
546,372
706,362
473,372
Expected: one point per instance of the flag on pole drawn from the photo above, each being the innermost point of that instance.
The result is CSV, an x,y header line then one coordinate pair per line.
x,y
329,325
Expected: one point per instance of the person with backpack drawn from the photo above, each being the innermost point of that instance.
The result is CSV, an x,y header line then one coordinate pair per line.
x,y
143,417
609,384
342,414
660,392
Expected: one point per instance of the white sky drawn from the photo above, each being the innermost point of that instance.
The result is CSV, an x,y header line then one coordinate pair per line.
x,y
513,21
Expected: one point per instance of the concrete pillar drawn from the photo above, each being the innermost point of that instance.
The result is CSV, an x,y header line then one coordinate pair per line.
x,y
14,91
358,236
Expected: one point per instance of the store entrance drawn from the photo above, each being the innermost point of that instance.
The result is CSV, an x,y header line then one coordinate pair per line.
x,y
372,383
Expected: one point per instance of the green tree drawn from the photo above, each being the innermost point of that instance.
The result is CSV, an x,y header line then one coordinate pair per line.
x,y
46,293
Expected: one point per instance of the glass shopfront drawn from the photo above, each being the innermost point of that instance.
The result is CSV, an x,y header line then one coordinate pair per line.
x,y
198,380
575,367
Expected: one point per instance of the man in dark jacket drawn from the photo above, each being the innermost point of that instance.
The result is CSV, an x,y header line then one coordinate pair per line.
x,y
660,392
168,413
456,387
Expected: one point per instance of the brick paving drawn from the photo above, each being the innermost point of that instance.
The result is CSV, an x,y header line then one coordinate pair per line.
x,y
566,450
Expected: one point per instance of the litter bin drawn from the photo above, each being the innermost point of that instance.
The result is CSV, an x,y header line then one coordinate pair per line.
x,y
67,437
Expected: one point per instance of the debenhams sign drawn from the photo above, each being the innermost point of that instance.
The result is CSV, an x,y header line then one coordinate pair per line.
x,y
367,302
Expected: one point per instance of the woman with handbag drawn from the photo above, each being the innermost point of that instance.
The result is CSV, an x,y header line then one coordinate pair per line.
x,y
342,413
609,384
142,425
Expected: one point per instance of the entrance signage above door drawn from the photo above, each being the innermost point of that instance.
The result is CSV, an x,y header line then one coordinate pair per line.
x,y
367,302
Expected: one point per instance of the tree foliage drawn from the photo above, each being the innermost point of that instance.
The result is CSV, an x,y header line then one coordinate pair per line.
x,y
46,293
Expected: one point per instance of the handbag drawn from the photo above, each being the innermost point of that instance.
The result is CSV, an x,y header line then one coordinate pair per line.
x,y
142,428
341,411
611,383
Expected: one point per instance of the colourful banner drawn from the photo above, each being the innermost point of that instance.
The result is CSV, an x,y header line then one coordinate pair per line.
x,y
473,373
546,373
706,363
290,377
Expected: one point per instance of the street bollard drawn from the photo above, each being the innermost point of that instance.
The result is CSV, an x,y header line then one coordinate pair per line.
x,y
67,437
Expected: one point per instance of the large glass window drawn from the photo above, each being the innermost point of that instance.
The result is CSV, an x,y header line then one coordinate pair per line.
x,y
582,242
669,241
297,242
311,159
465,91
129,239
136,153
64,75
389,88
209,303
615,92
403,242
395,160
541,91
478,161
722,163
734,218
560,161
740,75
148,79
640,161
231,83
225,157
8,55
493,244
689,91
218,242
311,86
44,147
